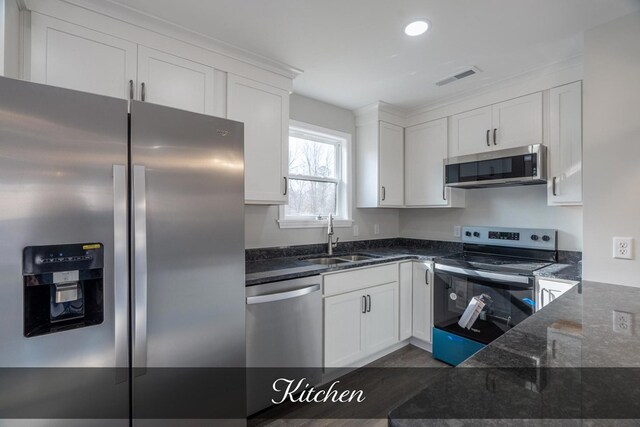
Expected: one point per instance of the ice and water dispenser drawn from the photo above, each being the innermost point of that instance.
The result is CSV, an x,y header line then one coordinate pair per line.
x,y
63,287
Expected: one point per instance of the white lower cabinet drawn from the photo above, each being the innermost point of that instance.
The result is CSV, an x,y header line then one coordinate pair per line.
x,y
547,290
422,300
406,296
360,323
343,328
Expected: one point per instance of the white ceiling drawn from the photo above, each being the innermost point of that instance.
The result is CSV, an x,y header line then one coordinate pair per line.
x,y
354,52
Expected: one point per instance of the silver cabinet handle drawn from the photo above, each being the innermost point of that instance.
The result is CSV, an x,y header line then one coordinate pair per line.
x,y
553,186
120,260
143,92
280,296
139,237
130,90
488,131
369,301
286,185
494,136
364,304
384,193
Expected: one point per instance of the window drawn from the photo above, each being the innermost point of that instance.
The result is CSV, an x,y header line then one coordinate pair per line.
x,y
317,184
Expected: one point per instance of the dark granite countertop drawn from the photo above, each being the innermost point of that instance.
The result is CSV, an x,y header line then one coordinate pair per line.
x,y
275,269
263,267
575,331
561,271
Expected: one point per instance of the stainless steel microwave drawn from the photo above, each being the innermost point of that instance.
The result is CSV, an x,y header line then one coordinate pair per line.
x,y
501,168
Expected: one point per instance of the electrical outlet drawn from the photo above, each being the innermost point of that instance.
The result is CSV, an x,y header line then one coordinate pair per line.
x,y
376,228
622,322
356,230
456,231
623,247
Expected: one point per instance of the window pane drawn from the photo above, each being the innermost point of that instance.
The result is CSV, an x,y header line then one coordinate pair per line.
x,y
310,198
312,158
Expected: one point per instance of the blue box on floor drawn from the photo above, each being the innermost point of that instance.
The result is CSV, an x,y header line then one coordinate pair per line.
x,y
453,349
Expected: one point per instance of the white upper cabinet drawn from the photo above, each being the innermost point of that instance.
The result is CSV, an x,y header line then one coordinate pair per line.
x,y
425,148
175,82
517,122
470,132
509,124
264,110
391,165
379,159
565,145
74,57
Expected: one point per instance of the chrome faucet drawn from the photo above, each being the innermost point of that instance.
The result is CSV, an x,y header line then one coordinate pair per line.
x,y
331,245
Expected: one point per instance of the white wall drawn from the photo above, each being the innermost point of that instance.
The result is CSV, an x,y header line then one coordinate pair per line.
x,y
261,228
612,148
505,207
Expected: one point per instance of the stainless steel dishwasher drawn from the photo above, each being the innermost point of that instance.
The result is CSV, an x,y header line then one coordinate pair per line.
x,y
284,334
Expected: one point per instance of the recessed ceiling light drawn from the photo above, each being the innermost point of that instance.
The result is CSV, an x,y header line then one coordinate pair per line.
x,y
416,28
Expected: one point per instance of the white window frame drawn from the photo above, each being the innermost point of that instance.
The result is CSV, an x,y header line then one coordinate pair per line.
x,y
344,181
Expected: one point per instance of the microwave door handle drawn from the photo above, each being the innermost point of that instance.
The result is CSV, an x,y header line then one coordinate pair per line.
x,y
140,270
484,274
120,273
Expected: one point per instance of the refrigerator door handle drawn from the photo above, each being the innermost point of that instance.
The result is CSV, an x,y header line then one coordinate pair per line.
x,y
140,269
120,268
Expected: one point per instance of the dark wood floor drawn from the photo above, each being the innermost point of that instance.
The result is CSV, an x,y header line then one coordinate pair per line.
x,y
392,390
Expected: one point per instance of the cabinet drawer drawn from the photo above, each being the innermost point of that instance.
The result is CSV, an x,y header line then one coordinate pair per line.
x,y
340,283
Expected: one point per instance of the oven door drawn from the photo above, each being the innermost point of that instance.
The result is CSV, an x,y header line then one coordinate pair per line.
x,y
512,301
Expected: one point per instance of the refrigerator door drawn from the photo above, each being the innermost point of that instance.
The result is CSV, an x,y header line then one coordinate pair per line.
x,y
63,157
188,263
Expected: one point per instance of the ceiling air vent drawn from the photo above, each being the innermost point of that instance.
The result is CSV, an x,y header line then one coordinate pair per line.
x,y
461,75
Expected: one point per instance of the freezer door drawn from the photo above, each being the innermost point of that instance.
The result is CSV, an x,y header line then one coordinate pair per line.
x,y
63,157
188,256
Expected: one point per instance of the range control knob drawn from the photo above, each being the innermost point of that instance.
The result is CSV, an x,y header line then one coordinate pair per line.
x,y
476,234
467,233
534,237
546,238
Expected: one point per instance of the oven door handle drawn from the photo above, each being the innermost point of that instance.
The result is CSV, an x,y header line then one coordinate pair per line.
x,y
485,274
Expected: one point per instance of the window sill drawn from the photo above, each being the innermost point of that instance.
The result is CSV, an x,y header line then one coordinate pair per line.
x,y
312,223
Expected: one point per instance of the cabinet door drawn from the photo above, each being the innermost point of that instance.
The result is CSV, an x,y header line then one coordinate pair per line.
x,y
422,280
391,165
406,305
425,150
517,122
381,319
175,82
549,290
264,110
469,132
343,328
565,145
74,57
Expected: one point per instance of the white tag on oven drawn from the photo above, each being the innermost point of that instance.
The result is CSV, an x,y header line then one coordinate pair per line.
x,y
66,276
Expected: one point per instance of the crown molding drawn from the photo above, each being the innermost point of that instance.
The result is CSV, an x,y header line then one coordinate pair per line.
x,y
152,23
571,64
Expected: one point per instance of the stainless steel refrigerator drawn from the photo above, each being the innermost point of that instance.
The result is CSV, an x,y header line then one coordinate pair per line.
x,y
121,255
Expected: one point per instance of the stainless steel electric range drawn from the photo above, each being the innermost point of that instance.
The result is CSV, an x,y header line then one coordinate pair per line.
x,y
493,280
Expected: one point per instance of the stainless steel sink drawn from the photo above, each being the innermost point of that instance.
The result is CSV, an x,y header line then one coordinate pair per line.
x,y
339,259
356,257
326,260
